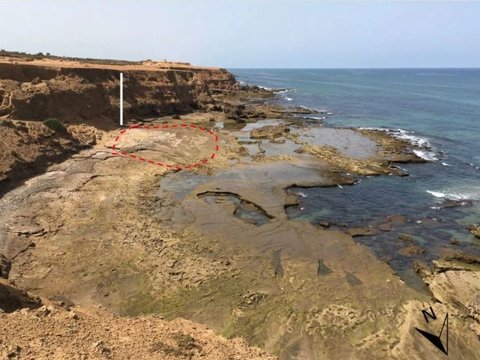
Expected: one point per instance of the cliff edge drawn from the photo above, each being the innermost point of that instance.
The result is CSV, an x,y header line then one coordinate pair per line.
x,y
87,91
80,97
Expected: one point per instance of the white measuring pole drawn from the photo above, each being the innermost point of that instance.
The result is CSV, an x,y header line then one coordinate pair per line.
x,y
121,99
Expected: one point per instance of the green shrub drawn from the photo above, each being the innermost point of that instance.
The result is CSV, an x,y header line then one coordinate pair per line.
x,y
55,125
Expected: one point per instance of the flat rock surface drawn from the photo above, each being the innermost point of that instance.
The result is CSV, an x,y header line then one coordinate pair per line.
x,y
135,238
349,142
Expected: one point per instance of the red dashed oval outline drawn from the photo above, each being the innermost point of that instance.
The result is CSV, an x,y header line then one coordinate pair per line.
x,y
116,152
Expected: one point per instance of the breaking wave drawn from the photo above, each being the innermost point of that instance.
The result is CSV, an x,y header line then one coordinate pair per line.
x,y
424,149
463,194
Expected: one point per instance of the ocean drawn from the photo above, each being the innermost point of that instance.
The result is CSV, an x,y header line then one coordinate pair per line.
x,y
438,109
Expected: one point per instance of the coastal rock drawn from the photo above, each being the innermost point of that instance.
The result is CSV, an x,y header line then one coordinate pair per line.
x,y
269,132
362,231
293,110
392,148
278,140
5,266
392,220
397,219
405,237
334,158
455,203
412,249
462,257
459,289
386,227
234,112
475,230
324,224
421,268
474,306
454,241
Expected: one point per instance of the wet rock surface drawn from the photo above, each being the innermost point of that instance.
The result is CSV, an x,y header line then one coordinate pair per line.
x,y
362,231
244,209
269,132
475,230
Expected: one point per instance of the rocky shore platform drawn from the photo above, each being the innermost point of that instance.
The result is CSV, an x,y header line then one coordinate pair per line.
x,y
120,233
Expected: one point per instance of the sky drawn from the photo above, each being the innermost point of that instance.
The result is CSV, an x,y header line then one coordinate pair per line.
x,y
250,34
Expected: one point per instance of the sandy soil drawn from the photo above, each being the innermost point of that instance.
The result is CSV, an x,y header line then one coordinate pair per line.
x,y
147,65
51,332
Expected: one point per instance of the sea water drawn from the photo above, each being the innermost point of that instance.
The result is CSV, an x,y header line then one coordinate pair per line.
x,y
437,109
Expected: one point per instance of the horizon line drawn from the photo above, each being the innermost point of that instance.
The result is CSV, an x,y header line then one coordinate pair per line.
x,y
351,68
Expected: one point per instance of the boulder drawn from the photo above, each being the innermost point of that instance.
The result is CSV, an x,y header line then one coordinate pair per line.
x,y
269,132
475,230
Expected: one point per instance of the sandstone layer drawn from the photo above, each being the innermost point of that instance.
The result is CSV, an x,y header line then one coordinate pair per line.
x,y
81,91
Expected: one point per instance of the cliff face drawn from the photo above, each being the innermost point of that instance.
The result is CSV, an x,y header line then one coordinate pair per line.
x,y
76,92
84,95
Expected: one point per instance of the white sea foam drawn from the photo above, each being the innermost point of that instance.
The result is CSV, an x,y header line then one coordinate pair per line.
x,y
414,140
426,155
284,91
425,149
461,194
405,135
437,194
445,164
314,117
301,194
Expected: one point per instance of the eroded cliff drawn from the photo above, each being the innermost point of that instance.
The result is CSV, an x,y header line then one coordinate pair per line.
x,y
83,95
88,92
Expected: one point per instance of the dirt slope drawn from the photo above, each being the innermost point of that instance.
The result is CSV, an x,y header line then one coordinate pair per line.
x,y
52,331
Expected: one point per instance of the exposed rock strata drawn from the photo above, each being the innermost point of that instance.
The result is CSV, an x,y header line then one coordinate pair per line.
x,y
87,92
269,132
29,147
